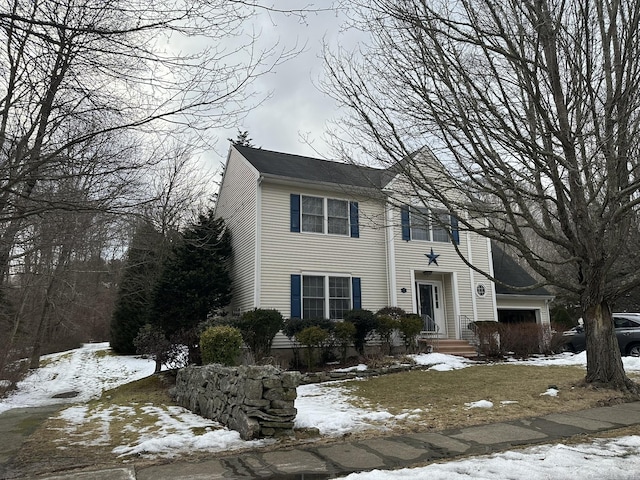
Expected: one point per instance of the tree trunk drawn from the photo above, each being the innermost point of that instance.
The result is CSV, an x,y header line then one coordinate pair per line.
x,y
604,363
34,361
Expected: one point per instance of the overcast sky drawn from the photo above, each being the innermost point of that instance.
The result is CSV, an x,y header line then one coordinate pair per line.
x,y
296,109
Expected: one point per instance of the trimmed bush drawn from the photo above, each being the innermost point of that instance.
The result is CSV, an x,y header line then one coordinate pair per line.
x,y
410,326
295,325
394,312
386,325
312,337
220,344
258,328
365,323
344,333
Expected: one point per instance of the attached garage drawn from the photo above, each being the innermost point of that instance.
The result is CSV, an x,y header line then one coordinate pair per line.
x,y
518,306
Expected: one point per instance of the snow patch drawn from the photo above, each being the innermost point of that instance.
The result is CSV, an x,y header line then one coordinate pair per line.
x,y
551,392
479,404
442,362
604,458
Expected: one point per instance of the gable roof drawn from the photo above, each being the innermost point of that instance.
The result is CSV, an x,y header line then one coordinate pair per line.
x,y
507,270
288,166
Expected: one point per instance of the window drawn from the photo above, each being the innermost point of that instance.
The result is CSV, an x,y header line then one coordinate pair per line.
x,y
338,217
621,322
440,228
313,297
339,296
315,303
324,296
481,289
419,223
312,214
324,215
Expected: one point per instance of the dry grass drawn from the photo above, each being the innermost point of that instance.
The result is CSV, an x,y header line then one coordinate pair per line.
x,y
436,400
59,444
440,398
153,389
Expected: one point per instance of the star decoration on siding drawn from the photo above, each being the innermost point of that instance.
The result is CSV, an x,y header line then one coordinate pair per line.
x,y
433,258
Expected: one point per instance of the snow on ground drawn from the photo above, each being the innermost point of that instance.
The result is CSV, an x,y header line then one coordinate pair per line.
x,y
551,392
631,364
88,371
479,404
613,459
325,406
152,431
442,362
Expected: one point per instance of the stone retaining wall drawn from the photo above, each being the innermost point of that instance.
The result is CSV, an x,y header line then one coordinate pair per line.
x,y
257,401
320,377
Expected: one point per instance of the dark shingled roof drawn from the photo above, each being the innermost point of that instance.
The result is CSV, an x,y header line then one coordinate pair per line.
x,y
286,165
508,271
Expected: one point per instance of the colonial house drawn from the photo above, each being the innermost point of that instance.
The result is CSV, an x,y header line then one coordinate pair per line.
x,y
314,238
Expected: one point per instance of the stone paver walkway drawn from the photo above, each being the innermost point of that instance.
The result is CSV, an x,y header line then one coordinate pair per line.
x,y
322,461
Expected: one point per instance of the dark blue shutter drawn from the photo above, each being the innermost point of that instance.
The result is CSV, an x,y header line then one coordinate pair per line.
x,y
405,222
454,230
295,212
354,220
357,293
296,296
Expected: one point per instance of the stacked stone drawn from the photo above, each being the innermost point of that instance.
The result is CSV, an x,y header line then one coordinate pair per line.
x,y
256,401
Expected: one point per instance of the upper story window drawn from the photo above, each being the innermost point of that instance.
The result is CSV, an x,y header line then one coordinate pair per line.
x,y
312,214
324,215
430,225
337,217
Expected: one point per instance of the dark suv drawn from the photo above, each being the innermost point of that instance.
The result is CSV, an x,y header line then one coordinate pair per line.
x,y
627,327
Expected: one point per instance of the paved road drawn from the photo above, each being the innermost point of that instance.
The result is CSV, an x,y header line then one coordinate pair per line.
x,y
16,426
320,461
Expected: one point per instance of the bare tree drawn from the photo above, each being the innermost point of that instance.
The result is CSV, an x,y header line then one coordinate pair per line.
x,y
533,107
90,92
75,71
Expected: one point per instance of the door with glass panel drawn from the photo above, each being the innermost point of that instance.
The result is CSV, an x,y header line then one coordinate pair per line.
x,y
431,308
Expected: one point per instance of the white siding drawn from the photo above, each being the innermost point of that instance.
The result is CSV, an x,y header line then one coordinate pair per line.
x,y
237,205
284,253
411,257
481,254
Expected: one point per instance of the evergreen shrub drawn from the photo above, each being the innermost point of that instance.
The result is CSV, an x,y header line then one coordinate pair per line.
x,y
312,337
365,323
220,344
258,328
410,326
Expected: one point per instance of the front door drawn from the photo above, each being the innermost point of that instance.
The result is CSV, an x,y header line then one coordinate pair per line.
x,y
431,308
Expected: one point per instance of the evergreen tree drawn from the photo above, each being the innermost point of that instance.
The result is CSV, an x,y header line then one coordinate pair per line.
x,y
142,268
242,139
194,281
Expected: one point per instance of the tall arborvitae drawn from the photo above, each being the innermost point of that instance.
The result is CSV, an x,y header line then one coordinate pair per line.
x,y
195,279
143,266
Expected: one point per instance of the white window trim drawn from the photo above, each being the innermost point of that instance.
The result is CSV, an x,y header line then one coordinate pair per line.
x,y
483,286
325,215
326,276
431,212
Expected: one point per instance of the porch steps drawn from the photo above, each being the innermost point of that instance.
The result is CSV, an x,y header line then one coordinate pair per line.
x,y
461,348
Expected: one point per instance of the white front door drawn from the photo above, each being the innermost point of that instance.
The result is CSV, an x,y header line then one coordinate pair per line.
x,y
431,309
